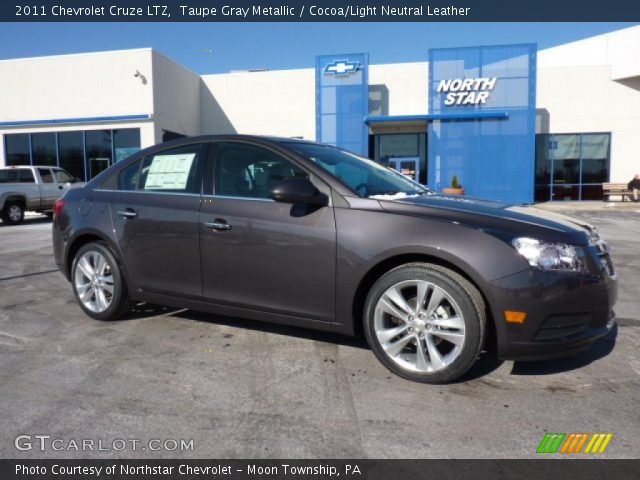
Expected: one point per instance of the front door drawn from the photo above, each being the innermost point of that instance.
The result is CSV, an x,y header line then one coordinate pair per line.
x,y
155,212
260,254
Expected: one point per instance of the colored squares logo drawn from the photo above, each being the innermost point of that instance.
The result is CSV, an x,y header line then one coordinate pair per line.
x,y
574,443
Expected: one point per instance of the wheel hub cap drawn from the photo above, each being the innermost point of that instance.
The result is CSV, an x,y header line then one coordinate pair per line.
x,y
419,326
93,281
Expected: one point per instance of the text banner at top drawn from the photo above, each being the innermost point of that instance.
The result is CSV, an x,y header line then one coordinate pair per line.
x,y
318,11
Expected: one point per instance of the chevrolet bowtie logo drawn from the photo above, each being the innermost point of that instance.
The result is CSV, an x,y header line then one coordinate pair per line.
x,y
341,67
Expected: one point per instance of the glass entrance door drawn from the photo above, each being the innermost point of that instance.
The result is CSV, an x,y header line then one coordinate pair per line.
x,y
403,151
407,166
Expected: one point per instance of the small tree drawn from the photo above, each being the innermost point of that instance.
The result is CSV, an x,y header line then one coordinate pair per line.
x,y
455,183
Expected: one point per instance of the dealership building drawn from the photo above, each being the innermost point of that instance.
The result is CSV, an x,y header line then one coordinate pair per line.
x,y
510,122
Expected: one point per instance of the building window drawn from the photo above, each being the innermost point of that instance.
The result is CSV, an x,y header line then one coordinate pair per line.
x,y
98,151
126,141
43,146
71,153
571,166
16,147
67,149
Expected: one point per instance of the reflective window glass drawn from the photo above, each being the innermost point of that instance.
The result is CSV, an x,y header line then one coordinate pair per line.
x,y
43,146
71,151
17,149
98,151
126,142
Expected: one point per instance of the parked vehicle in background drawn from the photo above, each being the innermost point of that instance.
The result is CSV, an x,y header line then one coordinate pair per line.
x,y
35,189
306,234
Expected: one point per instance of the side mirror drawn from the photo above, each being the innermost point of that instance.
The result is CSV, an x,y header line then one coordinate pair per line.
x,y
298,190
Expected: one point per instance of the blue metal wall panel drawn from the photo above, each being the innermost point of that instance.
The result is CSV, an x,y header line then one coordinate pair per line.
x,y
493,158
342,100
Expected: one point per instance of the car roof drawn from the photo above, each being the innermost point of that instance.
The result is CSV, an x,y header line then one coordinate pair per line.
x,y
236,136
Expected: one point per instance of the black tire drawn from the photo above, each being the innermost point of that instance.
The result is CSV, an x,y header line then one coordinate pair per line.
x,y
120,301
463,292
13,212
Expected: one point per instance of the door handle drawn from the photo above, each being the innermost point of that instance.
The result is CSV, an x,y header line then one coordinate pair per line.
x,y
128,213
218,225
60,187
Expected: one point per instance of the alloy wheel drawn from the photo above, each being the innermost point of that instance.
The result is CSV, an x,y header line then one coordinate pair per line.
x,y
93,281
419,326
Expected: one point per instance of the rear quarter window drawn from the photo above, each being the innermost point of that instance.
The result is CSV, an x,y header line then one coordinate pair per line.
x,y
16,175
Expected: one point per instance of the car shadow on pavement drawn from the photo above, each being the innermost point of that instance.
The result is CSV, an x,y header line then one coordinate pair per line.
x,y
600,349
277,329
28,221
486,363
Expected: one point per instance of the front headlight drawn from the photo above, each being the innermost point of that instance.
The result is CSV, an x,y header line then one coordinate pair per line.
x,y
558,257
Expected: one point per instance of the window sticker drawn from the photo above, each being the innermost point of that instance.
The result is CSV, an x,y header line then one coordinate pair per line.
x,y
169,172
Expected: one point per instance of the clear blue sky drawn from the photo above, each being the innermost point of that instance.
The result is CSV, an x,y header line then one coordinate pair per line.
x,y
220,47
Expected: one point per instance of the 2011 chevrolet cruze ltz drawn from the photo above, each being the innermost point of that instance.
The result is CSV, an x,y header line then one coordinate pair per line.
x,y
299,233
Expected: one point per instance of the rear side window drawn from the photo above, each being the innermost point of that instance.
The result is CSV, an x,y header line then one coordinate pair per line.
x,y
175,170
46,175
25,176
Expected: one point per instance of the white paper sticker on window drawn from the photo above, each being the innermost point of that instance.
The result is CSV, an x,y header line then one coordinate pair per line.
x,y
169,172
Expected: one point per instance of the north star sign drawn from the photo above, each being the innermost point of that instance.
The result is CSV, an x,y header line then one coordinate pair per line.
x,y
466,91
341,67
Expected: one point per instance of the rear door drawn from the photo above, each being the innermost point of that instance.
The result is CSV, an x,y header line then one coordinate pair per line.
x,y
260,254
155,212
49,188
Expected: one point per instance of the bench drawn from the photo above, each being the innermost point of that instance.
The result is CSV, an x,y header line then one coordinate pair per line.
x,y
616,189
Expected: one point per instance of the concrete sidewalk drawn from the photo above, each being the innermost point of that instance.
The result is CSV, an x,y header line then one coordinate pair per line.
x,y
590,206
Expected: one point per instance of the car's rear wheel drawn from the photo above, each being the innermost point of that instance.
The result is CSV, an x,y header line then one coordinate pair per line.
x,y
425,323
13,213
98,283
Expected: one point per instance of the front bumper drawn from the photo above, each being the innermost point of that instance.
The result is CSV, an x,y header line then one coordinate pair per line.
x,y
566,313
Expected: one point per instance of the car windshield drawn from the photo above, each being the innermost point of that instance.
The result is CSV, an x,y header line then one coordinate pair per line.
x,y
365,177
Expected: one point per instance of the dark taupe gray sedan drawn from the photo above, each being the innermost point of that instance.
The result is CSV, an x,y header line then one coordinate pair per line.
x,y
295,232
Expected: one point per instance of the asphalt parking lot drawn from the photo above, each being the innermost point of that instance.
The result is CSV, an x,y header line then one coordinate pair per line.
x,y
243,389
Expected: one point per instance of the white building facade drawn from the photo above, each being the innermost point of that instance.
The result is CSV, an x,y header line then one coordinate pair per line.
x,y
84,112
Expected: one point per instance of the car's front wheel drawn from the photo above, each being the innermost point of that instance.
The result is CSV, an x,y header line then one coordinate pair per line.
x,y
425,322
98,283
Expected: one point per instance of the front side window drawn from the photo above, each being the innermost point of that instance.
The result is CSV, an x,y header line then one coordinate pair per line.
x,y
175,170
249,171
45,175
63,177
365,177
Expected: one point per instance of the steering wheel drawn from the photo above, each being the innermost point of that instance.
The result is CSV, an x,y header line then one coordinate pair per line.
x,y
362,186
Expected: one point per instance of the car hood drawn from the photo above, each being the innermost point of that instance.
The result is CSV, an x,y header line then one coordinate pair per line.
x,y
493,217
